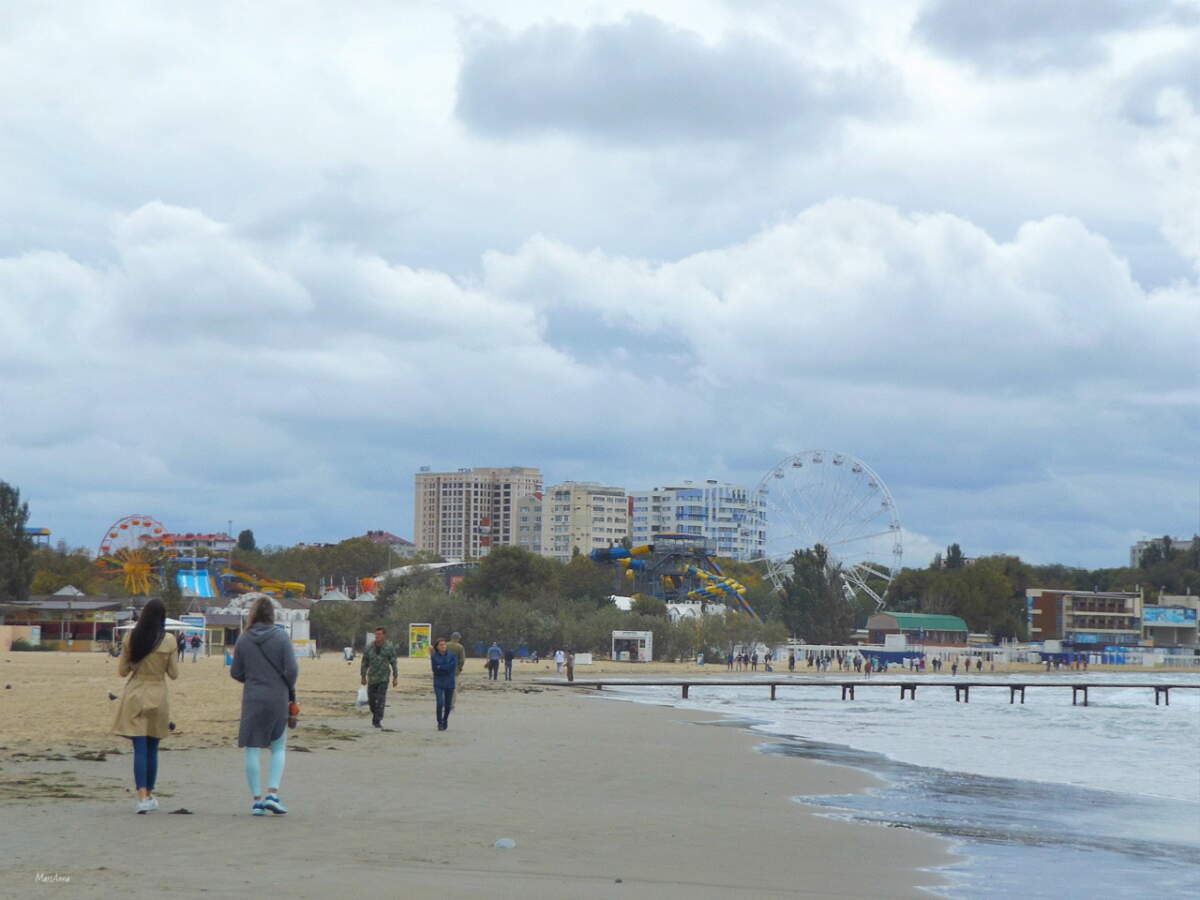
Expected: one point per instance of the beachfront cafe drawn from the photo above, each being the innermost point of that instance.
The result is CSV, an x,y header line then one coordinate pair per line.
x,y
74,622
918,629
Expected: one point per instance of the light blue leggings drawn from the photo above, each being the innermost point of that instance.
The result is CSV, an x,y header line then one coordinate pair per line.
x,y
274,767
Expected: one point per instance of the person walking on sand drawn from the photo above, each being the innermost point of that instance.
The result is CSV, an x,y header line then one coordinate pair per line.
x,y
181,643
509,654
493,660
559,659
263,661
378,660
196,644
455,647
144,715
445,669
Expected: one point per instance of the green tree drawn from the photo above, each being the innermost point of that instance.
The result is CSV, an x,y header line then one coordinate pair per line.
x,y
649,606
515,573
57,568
16,549
812,601
172,594
337,624
582,579
954,557
246,542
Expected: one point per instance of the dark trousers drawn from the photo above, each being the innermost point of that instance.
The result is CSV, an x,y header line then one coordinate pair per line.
x,y
445,703
145,762
377,699
493,668
508,670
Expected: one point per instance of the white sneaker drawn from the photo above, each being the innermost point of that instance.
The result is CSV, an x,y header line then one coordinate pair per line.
x,y
144,806
153,802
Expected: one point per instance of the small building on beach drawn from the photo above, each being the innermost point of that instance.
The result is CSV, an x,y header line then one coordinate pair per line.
x,y
918,628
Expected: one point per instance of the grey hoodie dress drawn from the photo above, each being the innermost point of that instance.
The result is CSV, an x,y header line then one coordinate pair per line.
x,y
264,695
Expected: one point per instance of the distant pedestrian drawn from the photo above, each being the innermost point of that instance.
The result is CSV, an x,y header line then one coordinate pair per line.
x,y
754,661
379,659
445,669
570,665
454,645
559,659
263,661
979,665
508,661
196,645
181,643
729,661
791,660
493,660
954,667
144,714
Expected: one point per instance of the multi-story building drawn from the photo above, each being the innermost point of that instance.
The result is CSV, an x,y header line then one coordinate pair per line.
x,y
582,515
1172,621
187,543
529,522
723,514
465,514
1160,544
1084,619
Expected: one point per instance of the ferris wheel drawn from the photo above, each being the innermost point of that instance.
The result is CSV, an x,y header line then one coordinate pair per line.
x,y
833,499
130,549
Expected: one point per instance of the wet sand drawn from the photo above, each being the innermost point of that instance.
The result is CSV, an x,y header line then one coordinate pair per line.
x,y
603,799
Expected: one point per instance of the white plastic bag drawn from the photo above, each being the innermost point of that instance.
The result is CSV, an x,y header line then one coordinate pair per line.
x,y
361,700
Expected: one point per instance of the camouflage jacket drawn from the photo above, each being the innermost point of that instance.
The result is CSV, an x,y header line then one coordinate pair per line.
x,y
377,660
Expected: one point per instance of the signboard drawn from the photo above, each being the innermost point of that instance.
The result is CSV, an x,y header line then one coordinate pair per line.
x,y
35,634
1179,616
418,639
305,649
195,625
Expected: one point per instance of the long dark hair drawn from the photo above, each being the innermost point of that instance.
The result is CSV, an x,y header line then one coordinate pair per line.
x,y
148,631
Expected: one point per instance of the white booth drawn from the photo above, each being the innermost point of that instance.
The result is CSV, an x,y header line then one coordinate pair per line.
x,y
633,646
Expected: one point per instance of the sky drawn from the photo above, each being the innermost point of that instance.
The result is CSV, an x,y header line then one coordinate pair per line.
x,y
261,262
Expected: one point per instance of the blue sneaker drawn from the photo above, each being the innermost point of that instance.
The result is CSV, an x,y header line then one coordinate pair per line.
x,y
271,802
258,809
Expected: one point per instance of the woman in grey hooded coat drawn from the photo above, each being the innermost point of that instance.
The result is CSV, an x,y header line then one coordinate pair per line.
x,y
264,663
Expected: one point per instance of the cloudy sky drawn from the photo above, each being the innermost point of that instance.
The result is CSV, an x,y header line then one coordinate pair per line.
x,y
260,262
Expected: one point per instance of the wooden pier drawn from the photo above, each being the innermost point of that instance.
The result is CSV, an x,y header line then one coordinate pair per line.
x,y
908,689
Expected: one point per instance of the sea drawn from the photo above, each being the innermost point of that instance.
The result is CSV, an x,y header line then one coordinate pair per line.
x,y
1041,799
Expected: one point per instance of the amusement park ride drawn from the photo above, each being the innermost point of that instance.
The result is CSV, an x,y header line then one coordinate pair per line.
x,y
138,551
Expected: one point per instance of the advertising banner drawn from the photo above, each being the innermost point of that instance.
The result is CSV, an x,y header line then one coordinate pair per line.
x,y
1168,615
419,634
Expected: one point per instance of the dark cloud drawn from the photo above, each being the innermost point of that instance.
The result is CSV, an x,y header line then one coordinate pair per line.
x,y
1180,72
1029,35
642,79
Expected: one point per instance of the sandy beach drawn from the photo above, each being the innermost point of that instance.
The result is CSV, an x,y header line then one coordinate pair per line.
x,y
603,799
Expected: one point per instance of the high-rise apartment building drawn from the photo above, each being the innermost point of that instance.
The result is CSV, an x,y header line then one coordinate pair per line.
x,y
465,514
584,515
723,514
529,523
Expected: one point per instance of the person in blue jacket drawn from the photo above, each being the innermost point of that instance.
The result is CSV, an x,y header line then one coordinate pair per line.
x,y
445,667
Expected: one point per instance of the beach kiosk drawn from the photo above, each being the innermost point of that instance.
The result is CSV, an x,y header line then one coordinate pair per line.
x,y
633,646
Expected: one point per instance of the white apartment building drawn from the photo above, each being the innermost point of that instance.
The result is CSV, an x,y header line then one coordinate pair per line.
x,y
464,514
721,513
529,523
584,515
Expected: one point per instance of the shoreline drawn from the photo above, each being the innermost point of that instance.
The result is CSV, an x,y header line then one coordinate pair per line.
x,y
602,799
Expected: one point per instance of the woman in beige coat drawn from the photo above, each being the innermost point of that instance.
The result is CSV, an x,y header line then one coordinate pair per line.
x,y
145,713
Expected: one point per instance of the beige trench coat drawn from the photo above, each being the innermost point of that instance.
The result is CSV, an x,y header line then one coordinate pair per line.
x,y
145,709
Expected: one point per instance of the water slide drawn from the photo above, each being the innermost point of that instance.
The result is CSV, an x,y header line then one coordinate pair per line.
x,y
197,582
719,587
240,578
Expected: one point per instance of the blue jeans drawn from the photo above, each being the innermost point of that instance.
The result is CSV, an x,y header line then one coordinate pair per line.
x,y
145,762
445,703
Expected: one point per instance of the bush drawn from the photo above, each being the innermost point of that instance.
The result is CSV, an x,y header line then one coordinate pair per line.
x,y
20,645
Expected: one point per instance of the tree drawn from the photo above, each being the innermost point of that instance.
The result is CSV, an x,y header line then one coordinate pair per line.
x,y
649,606
172,594
512,572
812,601
583,579
246,542
954,557
16,549
337,623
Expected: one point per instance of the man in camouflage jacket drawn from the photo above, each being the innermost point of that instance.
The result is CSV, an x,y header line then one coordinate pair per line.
x,y
378,658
